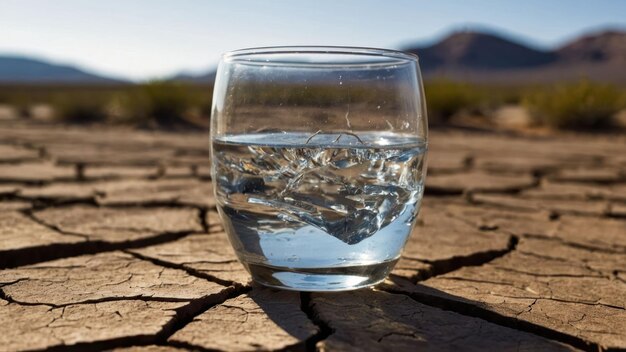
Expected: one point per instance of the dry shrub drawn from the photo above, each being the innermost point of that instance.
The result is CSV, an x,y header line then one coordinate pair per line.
x,y
580,106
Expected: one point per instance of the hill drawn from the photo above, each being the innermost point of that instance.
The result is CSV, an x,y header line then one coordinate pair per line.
x,y
478,50
482,57
17,69
607,46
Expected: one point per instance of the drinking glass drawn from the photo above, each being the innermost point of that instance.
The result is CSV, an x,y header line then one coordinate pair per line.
x,y
318,162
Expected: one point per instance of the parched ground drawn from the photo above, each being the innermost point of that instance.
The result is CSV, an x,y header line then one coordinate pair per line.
x,y
109,240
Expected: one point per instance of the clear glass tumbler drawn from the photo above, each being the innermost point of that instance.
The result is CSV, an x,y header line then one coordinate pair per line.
x,y
318,162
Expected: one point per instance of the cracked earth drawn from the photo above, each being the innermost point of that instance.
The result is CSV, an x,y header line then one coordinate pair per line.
x,y
111,241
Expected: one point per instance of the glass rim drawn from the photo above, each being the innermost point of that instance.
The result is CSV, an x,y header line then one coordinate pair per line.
x,y
247,54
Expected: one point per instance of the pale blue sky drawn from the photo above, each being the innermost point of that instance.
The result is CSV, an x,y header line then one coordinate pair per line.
x,y
142,39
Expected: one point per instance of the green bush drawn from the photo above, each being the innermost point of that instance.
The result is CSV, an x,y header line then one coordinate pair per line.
x,y
80,107
445,99
582,105
162,103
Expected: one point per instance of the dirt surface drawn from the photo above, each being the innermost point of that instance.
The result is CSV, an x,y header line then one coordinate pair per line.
x,y
109,239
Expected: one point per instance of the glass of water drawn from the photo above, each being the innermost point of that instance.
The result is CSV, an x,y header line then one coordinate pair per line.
x,y
318,162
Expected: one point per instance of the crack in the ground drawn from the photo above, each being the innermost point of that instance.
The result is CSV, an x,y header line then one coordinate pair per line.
x,y
551,298
230,261
324,329
171,203
139,297
33,255
8,283
586,303
187,269
489,282
529,273
543,256
183,316
472,310
605,213
97,198
29,214
467,193
202,213
29,182
622,250
43,202
186,314
583,263
79,171
444,266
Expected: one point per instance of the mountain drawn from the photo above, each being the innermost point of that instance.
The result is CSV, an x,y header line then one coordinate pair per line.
x,y
482,57
607,46
17,69
480,51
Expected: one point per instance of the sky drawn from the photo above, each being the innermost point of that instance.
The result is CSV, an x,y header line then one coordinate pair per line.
x,y
146,39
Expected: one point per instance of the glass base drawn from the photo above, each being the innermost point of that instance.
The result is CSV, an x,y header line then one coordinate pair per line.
x,y
321,279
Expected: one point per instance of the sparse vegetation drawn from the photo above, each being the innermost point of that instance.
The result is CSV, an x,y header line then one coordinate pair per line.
x,y
81,107
583,105
163,103
153,104
580,106
445,98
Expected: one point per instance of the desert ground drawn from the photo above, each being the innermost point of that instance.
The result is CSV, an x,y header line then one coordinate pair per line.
x,y
110,240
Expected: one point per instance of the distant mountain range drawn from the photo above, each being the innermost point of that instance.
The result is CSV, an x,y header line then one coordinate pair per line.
x,y
16,69
468,55
484,57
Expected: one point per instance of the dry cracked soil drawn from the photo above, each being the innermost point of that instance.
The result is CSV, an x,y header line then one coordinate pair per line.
x,y
111,241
